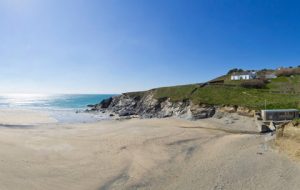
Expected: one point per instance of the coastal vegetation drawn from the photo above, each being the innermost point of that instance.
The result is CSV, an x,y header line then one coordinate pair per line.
x,y
229,92
280,92
225,95
288,71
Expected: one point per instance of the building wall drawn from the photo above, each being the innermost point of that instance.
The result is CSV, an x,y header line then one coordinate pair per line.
x,y
241,77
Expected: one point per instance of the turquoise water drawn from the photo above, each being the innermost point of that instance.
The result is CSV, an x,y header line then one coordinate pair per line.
x,y
50,102
65,108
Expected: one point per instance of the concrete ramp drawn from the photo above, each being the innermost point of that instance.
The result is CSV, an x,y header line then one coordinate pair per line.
x,y
261,127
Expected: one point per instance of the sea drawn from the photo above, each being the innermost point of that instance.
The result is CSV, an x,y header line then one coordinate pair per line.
x,y
65,108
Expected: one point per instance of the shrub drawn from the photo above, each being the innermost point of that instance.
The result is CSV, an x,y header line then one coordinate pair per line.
x,y
288,72
235,70
254,83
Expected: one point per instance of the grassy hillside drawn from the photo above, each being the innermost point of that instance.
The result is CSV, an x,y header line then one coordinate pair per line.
x,y
289,84
282,92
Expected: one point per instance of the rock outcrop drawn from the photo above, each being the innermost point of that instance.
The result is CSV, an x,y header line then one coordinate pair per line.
x,y
145,105
288,139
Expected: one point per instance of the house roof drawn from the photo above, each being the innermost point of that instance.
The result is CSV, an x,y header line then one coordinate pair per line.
x,y
242,73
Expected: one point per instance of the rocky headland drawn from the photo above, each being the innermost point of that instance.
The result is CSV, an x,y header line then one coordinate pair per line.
x,y
145,105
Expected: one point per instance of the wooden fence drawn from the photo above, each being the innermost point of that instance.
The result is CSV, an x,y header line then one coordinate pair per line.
x,y
262,90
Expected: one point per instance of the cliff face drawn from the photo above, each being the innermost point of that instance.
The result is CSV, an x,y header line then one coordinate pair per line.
x,y
144,105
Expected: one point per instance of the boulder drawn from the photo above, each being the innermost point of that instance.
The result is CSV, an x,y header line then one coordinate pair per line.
x,y
202,113
245,111
123,113
219,115
228,109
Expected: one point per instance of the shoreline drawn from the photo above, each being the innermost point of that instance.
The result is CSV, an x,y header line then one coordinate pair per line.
x,y
17,116
25,117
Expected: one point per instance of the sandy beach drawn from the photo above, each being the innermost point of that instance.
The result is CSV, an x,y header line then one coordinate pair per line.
x,y
139,154
24,117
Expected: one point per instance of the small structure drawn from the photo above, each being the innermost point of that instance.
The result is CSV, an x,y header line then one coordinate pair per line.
x,y
279,115
270,76
246,75
269,120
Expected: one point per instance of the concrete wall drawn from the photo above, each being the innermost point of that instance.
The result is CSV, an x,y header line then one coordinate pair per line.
x,y
279,116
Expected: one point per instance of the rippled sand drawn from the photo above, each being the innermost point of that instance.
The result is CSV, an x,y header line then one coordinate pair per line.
x,y
142,154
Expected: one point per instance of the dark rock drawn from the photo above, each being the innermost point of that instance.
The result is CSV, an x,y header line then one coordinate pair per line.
x,y
126,113
111,115
167,115
200,116
203,113
94,109
106,102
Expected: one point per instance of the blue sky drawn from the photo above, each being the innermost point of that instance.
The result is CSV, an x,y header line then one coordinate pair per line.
x,y
113,46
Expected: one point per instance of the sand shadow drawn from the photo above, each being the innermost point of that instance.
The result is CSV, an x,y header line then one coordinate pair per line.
x,y
16,126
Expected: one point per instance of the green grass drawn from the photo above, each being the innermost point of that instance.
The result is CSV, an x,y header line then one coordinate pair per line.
x,y
176,93
223,95
291,84
235,95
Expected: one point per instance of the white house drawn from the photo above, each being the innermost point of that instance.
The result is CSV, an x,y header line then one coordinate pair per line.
x,y
246,75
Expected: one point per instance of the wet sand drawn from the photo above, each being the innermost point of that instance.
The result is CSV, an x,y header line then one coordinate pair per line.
x,y
143,154
24,117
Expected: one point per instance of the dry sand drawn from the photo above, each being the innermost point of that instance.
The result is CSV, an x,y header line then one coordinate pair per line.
x,y
142,154
288,140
